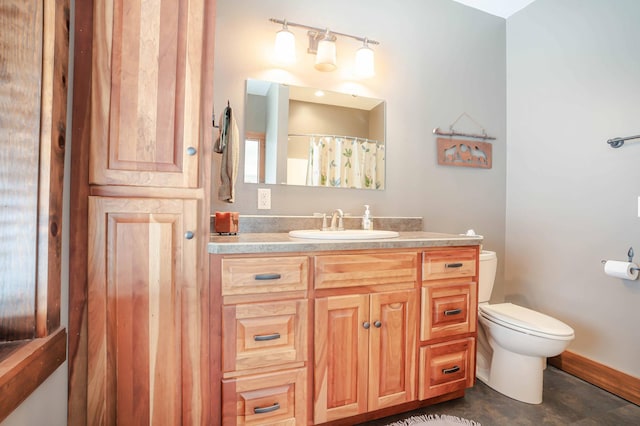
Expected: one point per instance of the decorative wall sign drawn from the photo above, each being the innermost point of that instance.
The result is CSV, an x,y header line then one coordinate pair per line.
x,y
464,153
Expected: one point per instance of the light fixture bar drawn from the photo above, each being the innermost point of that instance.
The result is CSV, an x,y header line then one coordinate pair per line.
x,y
323,30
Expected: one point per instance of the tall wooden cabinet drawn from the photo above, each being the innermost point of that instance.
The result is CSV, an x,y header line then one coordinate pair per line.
x,y
147,153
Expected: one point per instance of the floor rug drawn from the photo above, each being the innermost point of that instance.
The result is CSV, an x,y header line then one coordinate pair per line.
x,y
435,420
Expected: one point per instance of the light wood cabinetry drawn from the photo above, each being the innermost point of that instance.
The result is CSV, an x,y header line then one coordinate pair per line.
x,y
335,337
143,308
364,342
265,318
147,182
364,353
448,321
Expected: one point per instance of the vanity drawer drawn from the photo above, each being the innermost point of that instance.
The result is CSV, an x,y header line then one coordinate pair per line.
x,y
448,263
446,367
259,275
266,399
448,309
353,270
260,335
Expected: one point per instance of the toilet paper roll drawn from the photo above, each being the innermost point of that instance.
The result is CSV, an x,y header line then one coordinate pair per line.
x,y
624,270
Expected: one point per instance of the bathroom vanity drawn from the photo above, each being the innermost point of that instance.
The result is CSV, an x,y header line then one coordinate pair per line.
x,y
315,332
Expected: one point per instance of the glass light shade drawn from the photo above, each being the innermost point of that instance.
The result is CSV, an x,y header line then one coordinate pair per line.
x,y
285,47
326,55
364,62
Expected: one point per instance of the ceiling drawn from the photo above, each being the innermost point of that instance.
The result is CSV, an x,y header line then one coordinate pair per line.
x,y
502,8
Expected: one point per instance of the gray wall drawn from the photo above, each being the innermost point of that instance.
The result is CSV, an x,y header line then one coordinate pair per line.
x,y
573,81
437,59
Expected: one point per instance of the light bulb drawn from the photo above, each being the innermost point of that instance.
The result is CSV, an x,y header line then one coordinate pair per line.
x,y
364,62
285,47
326,55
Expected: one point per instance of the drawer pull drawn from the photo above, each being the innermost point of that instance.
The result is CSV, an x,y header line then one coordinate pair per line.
x,y
263,410
450,312
264,277
453,265
265,337
451,370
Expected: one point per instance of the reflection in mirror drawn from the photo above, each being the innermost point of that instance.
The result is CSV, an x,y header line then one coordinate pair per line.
x,y
303,136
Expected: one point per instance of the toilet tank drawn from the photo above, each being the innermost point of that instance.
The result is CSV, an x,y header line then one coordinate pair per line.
x,y
488,266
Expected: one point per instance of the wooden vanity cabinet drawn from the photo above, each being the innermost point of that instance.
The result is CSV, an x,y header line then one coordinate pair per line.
x,y
334,337
448,321
365,338
264,353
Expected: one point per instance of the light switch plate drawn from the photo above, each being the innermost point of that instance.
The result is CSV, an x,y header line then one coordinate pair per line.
x,y
638,206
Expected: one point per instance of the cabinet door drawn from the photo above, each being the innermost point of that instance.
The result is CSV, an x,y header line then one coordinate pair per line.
x,y
145,312
147,83
392,358
341,357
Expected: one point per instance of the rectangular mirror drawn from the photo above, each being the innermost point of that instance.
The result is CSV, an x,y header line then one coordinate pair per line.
x,y
303,136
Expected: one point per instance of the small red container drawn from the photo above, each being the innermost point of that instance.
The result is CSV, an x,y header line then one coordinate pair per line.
x,y
226,222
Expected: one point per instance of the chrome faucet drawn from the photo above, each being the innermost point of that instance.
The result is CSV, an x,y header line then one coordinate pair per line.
x,y
337,214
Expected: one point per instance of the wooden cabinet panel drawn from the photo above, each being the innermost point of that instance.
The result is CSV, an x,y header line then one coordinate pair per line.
x,y
365,353
446,367
352,270
261,275
448,309
149,73
267,399
143,304
392,362
448,263
264,334
341,357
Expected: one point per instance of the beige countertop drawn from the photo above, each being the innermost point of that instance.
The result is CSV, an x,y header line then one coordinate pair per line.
x,y
282,242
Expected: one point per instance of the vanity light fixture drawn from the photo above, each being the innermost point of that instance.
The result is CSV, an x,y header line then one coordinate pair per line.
x,y
364,61
285,46
322,43
326,53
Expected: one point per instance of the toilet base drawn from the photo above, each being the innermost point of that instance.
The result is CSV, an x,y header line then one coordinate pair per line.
x,y
517,376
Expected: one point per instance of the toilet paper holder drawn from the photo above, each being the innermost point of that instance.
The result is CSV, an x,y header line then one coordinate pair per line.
x,y
630,255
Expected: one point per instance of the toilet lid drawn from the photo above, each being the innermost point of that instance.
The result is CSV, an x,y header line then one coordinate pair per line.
x,y
517,317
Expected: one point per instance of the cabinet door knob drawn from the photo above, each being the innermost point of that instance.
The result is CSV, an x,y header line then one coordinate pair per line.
x,y
188,235
192,151
366,325
377,324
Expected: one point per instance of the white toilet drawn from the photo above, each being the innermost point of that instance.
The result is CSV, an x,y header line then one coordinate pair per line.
x,y
514,342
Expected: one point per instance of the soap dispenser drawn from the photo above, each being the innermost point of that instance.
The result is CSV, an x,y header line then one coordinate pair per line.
x,y
367,221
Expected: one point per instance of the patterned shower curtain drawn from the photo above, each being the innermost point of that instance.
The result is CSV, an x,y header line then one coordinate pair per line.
x,y
345,162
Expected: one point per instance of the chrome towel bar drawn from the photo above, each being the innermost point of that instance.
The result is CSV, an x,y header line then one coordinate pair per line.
x,y
618,142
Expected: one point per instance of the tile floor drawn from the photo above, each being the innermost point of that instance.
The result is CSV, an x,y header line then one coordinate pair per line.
x,y
567,400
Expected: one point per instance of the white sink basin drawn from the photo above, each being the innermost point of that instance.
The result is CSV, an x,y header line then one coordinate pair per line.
x,y
347,234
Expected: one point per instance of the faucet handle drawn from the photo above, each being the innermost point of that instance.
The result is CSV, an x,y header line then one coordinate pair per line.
x,y
324,221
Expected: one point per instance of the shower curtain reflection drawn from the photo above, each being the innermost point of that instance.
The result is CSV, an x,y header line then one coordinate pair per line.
x,y
345,162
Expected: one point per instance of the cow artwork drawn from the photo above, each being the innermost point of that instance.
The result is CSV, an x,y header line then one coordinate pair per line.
x,y
456,152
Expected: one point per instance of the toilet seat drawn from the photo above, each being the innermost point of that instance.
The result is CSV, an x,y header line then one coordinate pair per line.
x,y
526,321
